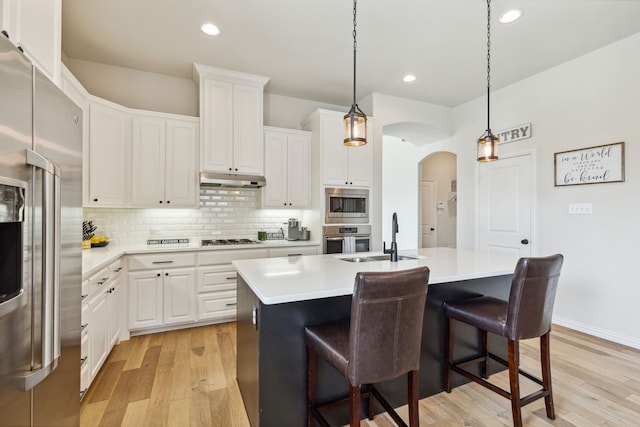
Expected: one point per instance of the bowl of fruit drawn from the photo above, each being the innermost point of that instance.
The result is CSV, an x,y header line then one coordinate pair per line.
x,y
99,242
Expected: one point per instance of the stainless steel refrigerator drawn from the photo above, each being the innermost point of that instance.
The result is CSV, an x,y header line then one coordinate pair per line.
x,y
40,247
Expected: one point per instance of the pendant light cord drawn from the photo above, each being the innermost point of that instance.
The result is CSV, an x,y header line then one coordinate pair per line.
x,y
488,62
355,45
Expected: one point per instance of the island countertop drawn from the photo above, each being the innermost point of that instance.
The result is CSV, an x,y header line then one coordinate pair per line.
x,y
300,278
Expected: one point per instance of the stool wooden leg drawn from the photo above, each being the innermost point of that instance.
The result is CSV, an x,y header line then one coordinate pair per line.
x,y
545,358
311,384
412,382
484,371
354,405
448,352
514,381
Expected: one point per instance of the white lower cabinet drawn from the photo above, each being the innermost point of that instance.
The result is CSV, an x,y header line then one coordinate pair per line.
x,y
101,320
159,297
216,292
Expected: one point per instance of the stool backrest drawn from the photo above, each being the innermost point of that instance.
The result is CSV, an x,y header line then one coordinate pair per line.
x,y
386,324
533,292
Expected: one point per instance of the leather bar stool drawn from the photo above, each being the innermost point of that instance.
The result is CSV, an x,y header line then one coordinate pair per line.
x,y
380,341
526,315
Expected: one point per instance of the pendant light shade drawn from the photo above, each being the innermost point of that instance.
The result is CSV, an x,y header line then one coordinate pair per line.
x,y
488,143
355,121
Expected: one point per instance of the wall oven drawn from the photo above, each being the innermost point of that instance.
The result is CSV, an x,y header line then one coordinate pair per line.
x,y
346,206
333,237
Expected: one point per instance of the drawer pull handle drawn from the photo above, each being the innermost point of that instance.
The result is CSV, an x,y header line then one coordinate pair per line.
x,y
294,255
82,327
231,278
84,359
83,392
118,270
232,304
84,296
162,262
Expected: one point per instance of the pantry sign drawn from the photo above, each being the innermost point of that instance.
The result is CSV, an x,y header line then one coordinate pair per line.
x,y
593,165
514,134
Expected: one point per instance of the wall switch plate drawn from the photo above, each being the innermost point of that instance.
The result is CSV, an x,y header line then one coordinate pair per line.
x,y
580,208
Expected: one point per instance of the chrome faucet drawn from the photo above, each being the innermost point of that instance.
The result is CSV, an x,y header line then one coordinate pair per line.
x,y
394,246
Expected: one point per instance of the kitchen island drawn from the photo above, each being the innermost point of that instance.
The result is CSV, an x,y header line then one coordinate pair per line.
x,y
277,297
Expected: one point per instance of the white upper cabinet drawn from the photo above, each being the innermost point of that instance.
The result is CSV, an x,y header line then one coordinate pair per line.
x,y
163,171
36,26
109,154
231,114
287,165
341,166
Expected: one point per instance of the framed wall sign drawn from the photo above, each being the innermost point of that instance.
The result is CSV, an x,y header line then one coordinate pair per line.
x,y
593,165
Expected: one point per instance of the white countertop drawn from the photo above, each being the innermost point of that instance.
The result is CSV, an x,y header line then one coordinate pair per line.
x,y
95,259
282,280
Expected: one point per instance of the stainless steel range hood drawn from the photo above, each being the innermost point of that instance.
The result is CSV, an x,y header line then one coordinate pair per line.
x,y
210,179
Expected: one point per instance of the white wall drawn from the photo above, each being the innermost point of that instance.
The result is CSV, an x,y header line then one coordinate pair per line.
x,y
589,101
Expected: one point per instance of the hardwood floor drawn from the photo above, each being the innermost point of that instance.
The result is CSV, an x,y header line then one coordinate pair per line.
x,y
187,378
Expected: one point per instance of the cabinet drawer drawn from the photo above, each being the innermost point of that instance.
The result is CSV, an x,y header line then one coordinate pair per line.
x,y
216,278
84,316
84,347
85,379
85,290
217,305
98,281
169,260
115,268
225,257
301,250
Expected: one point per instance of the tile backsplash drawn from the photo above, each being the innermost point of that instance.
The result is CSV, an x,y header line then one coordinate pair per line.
x,y
223,213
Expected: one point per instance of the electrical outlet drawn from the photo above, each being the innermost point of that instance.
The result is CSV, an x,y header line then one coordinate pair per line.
x,y
580,208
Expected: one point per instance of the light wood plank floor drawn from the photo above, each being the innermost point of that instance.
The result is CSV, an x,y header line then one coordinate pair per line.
x,y
187,378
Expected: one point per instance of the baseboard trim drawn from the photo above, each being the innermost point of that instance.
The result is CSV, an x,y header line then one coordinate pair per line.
x,y
599,332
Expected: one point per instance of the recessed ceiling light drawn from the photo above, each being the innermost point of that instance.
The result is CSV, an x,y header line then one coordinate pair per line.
x,y
210,29
510,16
409,78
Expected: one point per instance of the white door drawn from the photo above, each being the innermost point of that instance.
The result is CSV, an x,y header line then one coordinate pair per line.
x,y
505,206
428,214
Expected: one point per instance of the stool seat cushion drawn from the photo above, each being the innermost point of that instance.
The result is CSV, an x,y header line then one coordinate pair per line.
x,y
486,313
331,342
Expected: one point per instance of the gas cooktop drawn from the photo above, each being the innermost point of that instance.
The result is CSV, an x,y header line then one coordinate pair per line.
x,y
219,242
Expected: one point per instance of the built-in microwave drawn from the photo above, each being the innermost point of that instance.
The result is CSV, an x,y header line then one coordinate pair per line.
x,y
346,206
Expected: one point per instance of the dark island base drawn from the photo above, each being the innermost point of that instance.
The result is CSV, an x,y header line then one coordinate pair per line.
x,y
271,368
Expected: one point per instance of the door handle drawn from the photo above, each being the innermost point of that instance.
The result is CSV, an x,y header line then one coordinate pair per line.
x,y
433,229
524,241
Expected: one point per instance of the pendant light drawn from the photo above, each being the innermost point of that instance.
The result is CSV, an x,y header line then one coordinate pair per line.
x,y
355,121
488,142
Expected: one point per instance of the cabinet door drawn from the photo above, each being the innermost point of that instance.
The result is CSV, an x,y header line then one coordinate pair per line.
x,y
179,295
298,171
145,299
115,311
40,34
274,194
108,156
334,158
216,117
181,173
360,164
148,162
248,148
98,331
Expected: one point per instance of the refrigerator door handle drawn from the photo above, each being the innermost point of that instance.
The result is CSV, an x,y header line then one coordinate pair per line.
x,y
51,340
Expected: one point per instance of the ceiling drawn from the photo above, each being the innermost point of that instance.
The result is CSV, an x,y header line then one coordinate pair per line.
x,y
305,46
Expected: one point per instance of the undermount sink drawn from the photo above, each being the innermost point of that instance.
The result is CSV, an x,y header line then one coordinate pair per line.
x,y
376,258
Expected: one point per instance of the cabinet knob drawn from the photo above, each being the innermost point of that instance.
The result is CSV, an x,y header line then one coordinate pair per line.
x,y
524,241
95,200
158,274
166,274
346,182
351,183
236,169
289,204
230,169
285,203
168,201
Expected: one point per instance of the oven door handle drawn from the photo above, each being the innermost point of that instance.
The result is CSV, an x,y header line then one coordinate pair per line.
x,y
333,239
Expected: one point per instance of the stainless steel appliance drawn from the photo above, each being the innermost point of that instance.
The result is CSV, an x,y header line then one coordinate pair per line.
x,y
40,247
211,179
346,206
333,237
